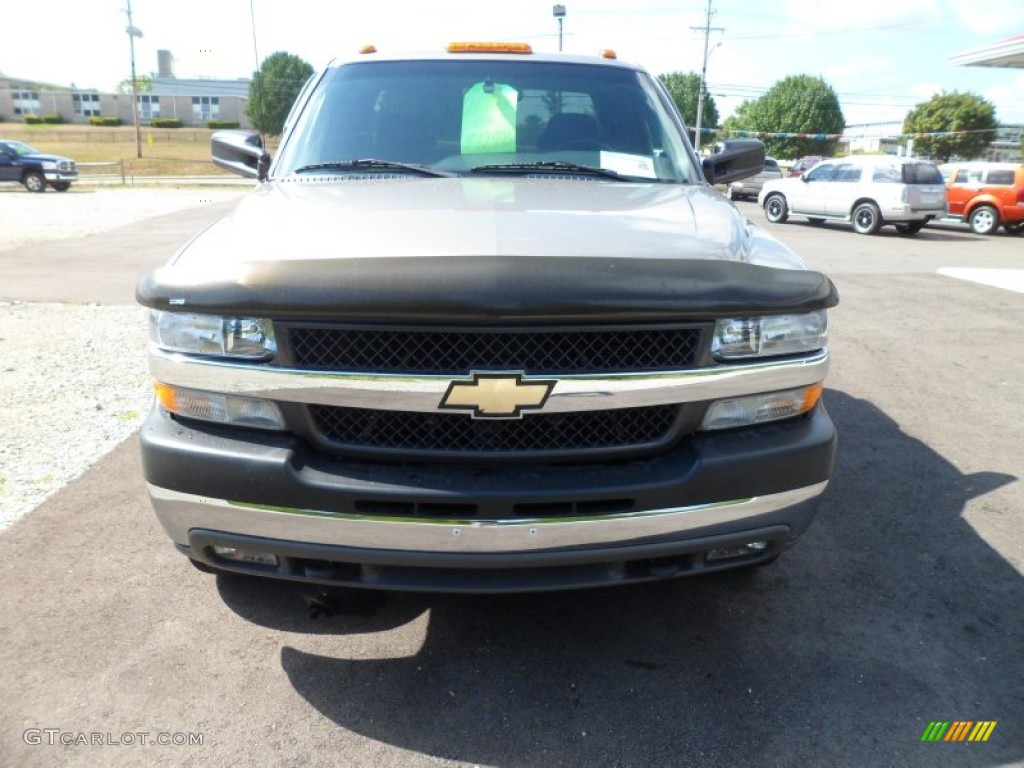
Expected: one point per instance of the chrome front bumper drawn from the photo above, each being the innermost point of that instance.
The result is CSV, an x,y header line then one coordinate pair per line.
x,y
181,513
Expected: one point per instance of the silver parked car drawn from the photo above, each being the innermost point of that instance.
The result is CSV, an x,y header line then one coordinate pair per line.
x,y
869,191
749,188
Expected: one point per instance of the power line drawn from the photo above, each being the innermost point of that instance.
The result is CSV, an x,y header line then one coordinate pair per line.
x,y
829,32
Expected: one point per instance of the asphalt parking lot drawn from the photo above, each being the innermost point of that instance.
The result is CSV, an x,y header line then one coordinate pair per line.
x,y
903,605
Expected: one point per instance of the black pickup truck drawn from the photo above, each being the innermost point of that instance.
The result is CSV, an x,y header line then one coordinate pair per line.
x,y
23,163
485,326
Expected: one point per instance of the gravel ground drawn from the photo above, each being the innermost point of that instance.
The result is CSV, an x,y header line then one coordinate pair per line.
x,y
73,378
74,384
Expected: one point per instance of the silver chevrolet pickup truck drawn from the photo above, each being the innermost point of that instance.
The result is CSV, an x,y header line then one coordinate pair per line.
x,y
485,325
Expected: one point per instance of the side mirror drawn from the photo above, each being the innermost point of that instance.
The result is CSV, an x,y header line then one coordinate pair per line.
x,y
240,152
739,159
804,179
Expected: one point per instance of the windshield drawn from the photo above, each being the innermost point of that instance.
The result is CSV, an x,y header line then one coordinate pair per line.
x,y
23,149
486,116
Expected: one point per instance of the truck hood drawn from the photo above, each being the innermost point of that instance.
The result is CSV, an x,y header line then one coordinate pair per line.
x,y
313,219
494,250
41,158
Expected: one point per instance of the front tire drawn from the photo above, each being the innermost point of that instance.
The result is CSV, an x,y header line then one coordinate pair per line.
x,y
34,181
1014,228
867,219
61,186
775,209
984,220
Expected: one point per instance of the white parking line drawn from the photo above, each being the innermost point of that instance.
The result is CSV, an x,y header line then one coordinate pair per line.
x,y
1010,279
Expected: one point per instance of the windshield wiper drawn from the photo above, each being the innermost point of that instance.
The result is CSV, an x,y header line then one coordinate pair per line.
x,y
374,165
548,166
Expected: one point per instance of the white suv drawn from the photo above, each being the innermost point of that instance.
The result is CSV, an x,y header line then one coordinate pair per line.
x,y
869,191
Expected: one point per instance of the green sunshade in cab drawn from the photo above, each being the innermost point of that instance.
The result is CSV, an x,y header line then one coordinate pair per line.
x,y
489,119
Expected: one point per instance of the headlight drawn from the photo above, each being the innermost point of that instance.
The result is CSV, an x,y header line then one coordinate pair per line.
x,y
769,335
245,337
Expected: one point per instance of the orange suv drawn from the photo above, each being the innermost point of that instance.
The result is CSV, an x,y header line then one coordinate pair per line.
x,y
986,195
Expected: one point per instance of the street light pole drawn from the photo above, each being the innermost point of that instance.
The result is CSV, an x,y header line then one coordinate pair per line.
x,y
134,32
558,12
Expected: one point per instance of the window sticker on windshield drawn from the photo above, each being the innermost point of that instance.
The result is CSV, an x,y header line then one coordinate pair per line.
x,y
489,119
629,165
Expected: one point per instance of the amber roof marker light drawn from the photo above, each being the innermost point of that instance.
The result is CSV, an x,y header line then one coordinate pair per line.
x,y
518,48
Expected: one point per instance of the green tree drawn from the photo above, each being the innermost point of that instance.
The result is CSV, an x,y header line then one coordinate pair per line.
x,y
741,119
273,90
143,84
969,116
685,92
795,104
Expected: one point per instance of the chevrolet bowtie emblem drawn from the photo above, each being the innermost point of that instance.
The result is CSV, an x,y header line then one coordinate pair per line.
x,y
497,395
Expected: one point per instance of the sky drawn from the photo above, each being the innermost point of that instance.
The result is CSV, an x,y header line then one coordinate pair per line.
x,y
882,57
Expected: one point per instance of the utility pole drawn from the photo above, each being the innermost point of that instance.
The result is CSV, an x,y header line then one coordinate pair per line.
x,y
707,29
133,32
